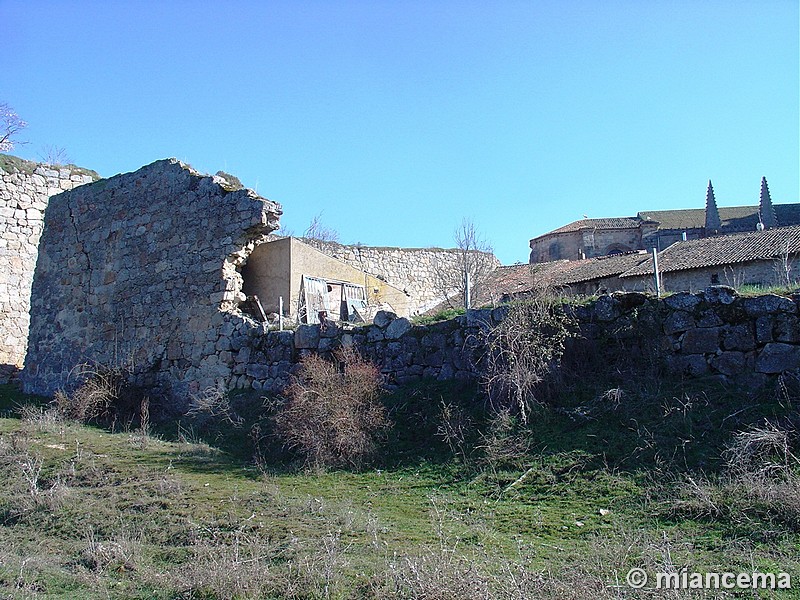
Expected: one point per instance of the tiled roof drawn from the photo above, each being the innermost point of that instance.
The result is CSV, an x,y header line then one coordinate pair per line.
x,y
734,218
518,279
723,250
602,266
610,223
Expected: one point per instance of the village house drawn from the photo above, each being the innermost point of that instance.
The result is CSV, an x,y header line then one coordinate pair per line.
x,y
589,238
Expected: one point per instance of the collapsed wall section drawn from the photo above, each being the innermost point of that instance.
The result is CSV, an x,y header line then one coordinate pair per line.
x,y
25,188
427,275
140,272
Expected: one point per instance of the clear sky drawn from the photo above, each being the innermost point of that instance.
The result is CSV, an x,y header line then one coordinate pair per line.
x,y
396,119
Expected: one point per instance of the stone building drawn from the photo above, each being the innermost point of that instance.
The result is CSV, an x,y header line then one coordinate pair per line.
x,y
429,276
589,238
24,191
305,281
760,258
141,271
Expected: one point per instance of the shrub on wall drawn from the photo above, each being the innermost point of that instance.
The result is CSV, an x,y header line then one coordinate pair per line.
x,y
522,351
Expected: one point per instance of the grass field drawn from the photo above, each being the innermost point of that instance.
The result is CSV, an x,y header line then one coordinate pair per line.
x,y
610,476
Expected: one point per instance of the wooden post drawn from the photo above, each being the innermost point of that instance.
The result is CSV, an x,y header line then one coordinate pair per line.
x,y
656,277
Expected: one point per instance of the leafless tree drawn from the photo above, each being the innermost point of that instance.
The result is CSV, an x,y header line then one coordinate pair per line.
x,y
10,126
783,265
54,156
473,263
318,234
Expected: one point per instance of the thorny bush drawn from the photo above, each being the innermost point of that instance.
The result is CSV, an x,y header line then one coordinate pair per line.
x,y
332,414
523,351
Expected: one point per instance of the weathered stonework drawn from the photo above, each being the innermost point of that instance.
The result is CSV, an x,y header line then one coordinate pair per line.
x,y
141,271
25,188
418,271
633,323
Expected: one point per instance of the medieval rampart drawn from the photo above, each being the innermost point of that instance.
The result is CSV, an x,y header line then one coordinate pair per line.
x,y
141,271
24,191
713,333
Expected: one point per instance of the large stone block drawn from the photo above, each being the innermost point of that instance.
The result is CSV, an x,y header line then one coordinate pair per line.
x,y
700,341
397,328
777,358
678,321
306,337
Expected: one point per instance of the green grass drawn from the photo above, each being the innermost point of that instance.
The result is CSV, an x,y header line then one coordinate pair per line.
x,y
603,487
444,315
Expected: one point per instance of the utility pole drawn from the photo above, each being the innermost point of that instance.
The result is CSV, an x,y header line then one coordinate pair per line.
x,y
656,277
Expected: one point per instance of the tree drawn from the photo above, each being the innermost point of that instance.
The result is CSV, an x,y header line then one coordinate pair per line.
x,y
474,261
10,126
318,234
54,156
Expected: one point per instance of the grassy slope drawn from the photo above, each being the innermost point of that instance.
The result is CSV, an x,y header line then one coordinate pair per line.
x,y
123,515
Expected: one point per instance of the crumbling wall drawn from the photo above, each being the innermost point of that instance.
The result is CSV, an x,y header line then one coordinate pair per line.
x,y
423,273
140,272
24,191
713,333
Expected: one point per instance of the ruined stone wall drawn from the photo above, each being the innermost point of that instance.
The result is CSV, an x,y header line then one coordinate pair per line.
x,y
714,332
418,271
25,188
140,272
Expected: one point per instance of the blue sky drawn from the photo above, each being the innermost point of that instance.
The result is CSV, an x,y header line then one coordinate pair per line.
x,y
397,119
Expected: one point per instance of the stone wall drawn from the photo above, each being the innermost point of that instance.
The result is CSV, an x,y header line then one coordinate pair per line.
x,y
714,332
25,188
755,273
418,271
141,272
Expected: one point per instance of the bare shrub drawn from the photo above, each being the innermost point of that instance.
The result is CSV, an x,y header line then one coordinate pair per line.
x,y
42,418
454,427
233,565
522,352
214,403
762,449
54,156
318,235
332,414
101,387
117,554
504,444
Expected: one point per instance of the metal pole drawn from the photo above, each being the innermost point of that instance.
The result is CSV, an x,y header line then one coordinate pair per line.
x,y
655,273
280,312
466,290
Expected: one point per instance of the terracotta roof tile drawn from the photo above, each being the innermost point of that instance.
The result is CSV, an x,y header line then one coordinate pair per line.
x,y
518,279
734,218
723,250
610,223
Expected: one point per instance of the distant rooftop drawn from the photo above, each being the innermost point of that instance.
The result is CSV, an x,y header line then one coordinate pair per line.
x,y
734,218
723,250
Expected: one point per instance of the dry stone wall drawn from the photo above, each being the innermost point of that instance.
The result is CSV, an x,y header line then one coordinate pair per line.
x,y
424,273
712,333
141,272
25,188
